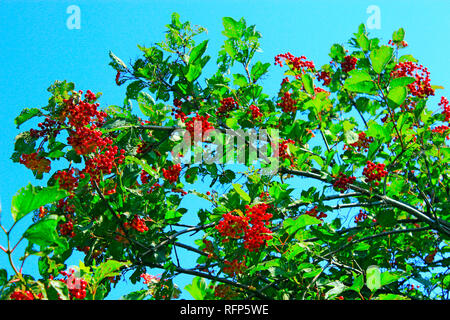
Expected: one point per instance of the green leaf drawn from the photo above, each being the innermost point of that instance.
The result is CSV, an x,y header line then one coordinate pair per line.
x,y
197,52
360,81
146,103
401,82
363,42
389,277
233,28
107,269
240,80
197,288
380,58
26,115
134,88
172,216
258,70
242,193
43,233
398,35
293,225
373,277
176,24
397,95
358,283
57,290
3,277
308,83
193,73
407,57
30,198
337,52
378,131
391,296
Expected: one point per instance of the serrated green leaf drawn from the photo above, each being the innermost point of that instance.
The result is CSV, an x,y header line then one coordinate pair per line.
x,y
26,115
380,58
30,198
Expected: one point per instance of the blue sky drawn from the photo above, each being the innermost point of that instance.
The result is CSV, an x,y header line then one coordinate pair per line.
x,y
37,48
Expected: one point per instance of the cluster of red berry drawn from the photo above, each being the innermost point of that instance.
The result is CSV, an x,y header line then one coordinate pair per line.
x,y
398,44
66,179
42,211
258,233
76,286
82,113
430,257
34,162
226,105
198,125
374,172
234,267
224,291
342,182
324,76
86,140
66,228
103,163
209,249
421,87
298,63
411,287
49,128
442,130
232,226
446,108
23,295
348,64
176,110
255,112
287,104
137,224
360,217
172,173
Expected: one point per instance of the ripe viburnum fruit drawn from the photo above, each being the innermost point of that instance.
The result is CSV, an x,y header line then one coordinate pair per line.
x,y
342,182
287,104
297,63
172,173
348,64
34,162
226,105
374,172
421,87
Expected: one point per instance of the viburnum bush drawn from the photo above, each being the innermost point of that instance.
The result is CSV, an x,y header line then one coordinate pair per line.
x,y
358,207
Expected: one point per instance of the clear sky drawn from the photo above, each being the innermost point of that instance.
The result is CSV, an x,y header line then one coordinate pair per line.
x,y
37,48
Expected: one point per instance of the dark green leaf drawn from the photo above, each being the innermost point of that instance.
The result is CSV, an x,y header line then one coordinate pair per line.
x,y
30,198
